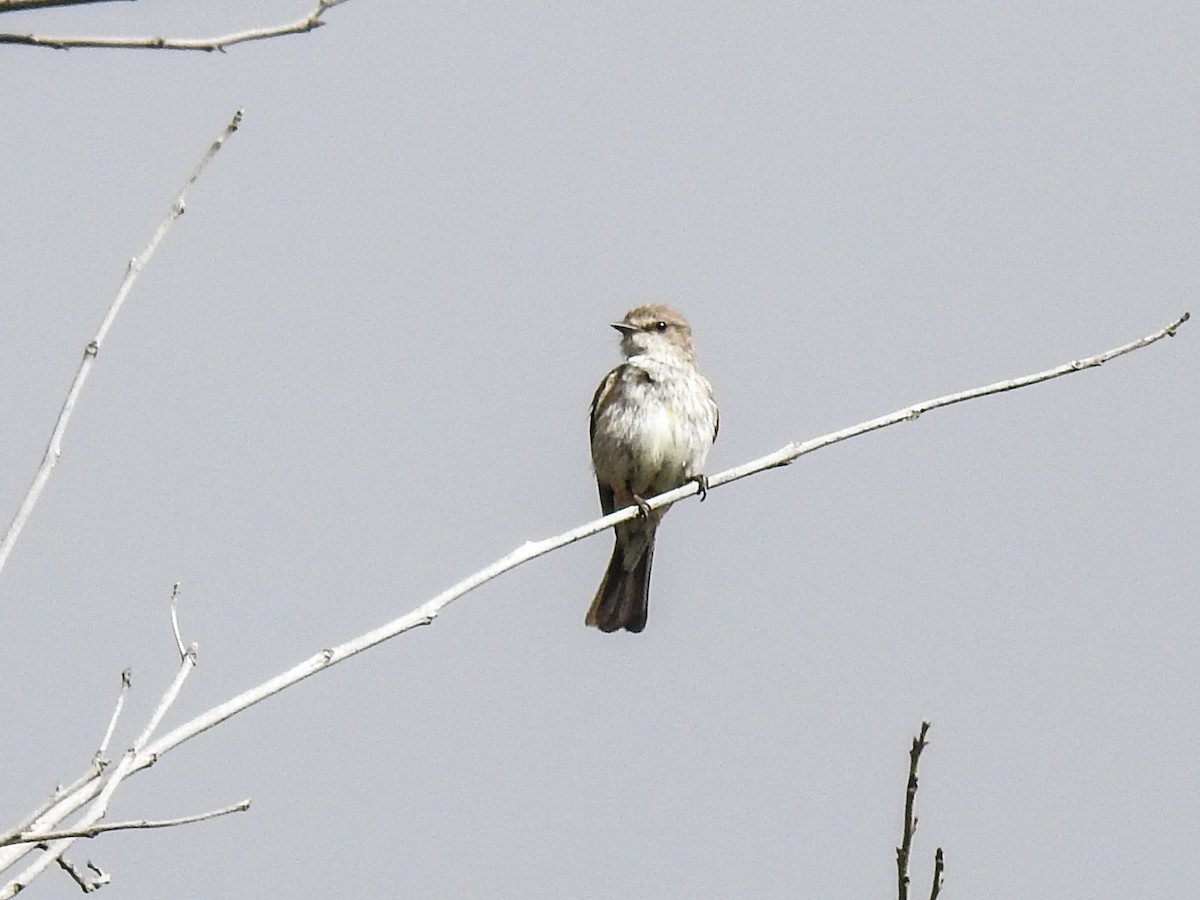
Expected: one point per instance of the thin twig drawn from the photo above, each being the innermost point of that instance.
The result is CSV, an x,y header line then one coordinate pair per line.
x,y
175,620
792,452
206,45
87,883
54,448
102,750
910,820
939,865
93,830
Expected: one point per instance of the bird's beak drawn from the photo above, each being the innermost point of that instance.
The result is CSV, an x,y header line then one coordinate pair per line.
x,y
624,327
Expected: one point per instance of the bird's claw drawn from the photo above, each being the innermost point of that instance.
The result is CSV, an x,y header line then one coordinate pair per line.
x,y
702,485
643,507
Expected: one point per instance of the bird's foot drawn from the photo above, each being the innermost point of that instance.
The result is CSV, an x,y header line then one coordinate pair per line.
x,y
702,484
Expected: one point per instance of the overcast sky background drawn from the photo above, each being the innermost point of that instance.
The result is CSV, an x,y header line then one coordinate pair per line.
x,y
359,370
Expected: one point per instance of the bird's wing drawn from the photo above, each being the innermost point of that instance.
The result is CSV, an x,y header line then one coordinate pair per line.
x,y
603,396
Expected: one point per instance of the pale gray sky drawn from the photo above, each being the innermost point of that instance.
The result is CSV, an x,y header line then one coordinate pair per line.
x,y
359,369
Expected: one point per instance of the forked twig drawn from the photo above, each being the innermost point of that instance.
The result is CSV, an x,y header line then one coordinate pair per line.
x,y
94,771
55,848
87,882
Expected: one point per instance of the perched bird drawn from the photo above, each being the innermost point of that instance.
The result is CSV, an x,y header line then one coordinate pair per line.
x,y
653,421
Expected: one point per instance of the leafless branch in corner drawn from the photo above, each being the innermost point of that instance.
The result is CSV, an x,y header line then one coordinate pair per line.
x,y
102,789
74,789
315,19
19,5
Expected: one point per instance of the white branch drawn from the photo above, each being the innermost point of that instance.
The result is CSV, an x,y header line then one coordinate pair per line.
x,y
175,621
141,757
93,830
428,611
54,448
65,800
301,26
102,751
791,452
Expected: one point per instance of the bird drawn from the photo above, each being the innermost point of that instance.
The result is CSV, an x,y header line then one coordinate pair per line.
x,y
653,421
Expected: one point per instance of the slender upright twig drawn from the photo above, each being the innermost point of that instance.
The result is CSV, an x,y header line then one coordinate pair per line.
x,y
101,757
139,262
179,645
910,820
904,851
938,867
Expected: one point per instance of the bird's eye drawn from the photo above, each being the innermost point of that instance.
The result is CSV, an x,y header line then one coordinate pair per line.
x,y
660,325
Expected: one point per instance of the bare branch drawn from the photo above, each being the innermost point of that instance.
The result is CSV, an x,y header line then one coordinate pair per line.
x,y
904,851
910,821
426,613
54,448
175,620
102,750
791,452
87,883
938,867
61,802
207,45
93,830
18,5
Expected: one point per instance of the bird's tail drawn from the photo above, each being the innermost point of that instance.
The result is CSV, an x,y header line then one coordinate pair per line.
x,y
624,595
